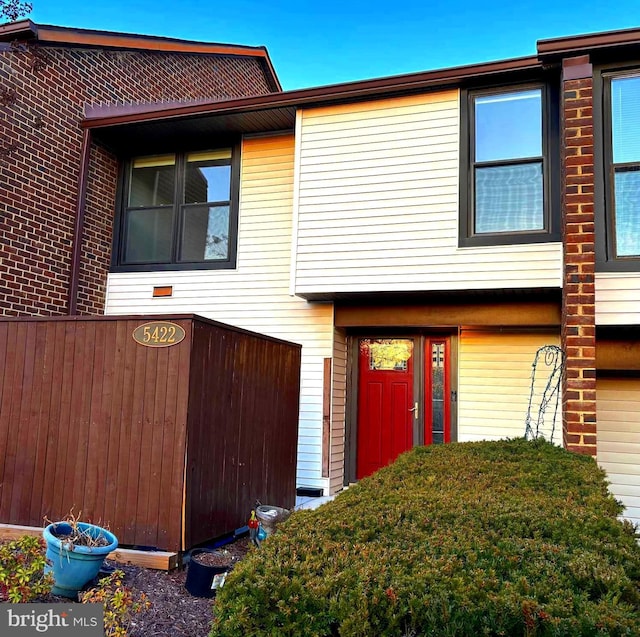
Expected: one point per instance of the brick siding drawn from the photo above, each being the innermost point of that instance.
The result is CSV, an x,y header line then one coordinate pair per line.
x,y
42,96
578,294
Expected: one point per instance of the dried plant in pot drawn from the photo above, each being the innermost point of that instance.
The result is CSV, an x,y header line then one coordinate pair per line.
x,y
75,553
207,571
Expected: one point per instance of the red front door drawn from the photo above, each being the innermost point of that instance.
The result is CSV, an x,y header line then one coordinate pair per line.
x,y
385,402
394,413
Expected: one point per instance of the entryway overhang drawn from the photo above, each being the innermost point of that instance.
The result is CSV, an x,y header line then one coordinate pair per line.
x,y
505,308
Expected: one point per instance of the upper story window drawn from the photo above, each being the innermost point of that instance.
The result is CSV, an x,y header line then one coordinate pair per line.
x,y
505,157
179,211
624,161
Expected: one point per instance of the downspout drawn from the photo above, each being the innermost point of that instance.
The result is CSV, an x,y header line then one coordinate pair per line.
x,y
72,306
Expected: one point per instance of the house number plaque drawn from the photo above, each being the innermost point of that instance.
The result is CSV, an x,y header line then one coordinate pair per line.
x,y
158,334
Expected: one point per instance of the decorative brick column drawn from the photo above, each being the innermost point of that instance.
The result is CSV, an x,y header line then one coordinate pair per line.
x,y
578,292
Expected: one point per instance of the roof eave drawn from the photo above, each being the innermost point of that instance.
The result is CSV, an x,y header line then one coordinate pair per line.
x,y
18,30
331,94
52,34
555,48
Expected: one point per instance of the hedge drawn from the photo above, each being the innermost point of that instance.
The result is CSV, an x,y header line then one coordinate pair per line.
x,y
488,538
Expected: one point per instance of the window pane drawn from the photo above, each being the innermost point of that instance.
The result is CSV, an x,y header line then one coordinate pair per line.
x,y
509,198
508,126
152,181
205,233
388,354
149,236
205,182
627,194
625,113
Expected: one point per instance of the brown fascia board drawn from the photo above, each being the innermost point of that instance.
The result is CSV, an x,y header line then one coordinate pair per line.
x,y
554,48
55,35
323,95
17,30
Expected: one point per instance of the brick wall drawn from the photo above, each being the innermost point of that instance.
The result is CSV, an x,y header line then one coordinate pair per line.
x,y
98,225
42,96
578,302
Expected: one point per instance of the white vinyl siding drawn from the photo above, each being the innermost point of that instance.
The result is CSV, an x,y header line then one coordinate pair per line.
x,y
255,295
618,298
494,384
377,204
618,415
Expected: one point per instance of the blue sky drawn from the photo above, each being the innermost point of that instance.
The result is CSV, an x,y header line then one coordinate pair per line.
x,y
316,43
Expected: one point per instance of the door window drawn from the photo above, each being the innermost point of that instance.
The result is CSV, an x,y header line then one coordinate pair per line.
x,y
437,392
388,354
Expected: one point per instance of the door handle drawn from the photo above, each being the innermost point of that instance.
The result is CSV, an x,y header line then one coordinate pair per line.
x,y
415,410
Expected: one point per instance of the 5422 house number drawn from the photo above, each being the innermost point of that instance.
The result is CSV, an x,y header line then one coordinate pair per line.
x,y
158,334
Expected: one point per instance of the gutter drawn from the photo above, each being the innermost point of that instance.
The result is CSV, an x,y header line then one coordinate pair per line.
x,y
554,48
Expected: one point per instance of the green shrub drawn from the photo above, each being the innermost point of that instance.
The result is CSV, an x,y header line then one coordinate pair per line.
x,y
491,538
22,577
119,601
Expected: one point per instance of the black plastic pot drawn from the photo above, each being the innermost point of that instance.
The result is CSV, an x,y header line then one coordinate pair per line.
x,y
204,580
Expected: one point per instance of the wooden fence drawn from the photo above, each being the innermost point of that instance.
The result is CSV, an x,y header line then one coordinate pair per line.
x,y
168,445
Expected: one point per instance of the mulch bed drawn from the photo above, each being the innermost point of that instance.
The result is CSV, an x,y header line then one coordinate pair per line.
x,y
174,611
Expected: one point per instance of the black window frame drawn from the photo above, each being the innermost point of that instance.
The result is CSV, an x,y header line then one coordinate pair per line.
x,y
120,231
604,190
550,167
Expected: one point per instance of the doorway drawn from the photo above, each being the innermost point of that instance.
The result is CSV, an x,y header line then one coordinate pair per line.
x,y
404,397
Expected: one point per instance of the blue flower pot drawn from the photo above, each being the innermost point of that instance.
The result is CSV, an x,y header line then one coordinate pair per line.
x,y
74,566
